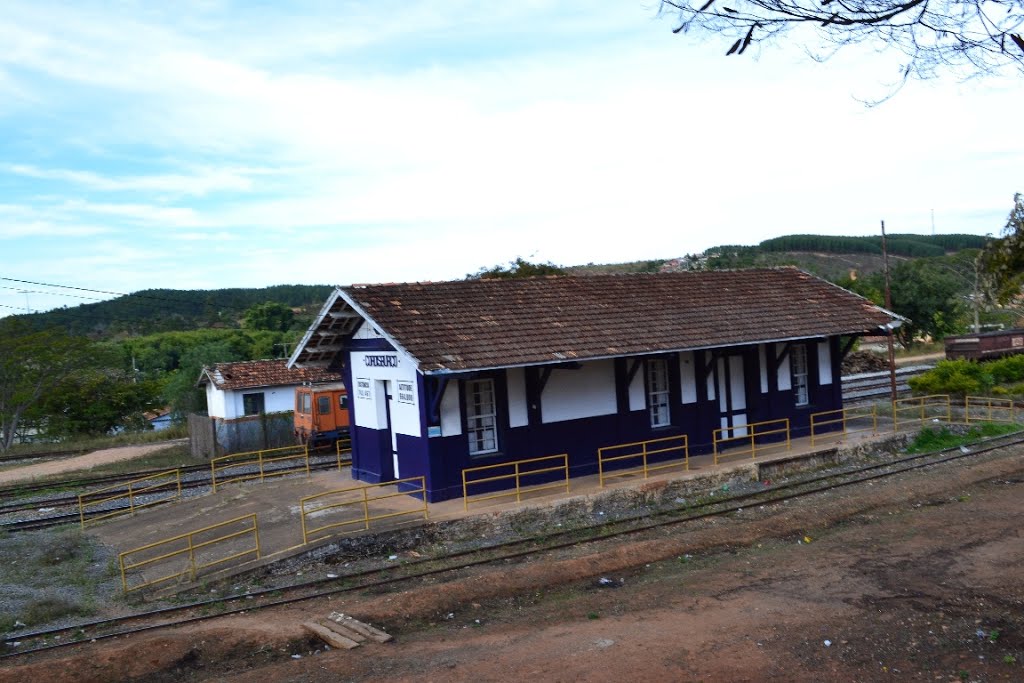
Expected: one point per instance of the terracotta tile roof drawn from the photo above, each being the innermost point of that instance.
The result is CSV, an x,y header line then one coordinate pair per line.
x,y
249,374
474,324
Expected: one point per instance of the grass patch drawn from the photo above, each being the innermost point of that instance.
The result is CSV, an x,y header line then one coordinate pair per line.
x,y
929,440
45,610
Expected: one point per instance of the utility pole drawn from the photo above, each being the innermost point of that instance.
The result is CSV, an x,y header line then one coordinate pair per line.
x,y
888,306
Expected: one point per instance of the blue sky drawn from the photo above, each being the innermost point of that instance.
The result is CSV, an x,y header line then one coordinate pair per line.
x,y
210,144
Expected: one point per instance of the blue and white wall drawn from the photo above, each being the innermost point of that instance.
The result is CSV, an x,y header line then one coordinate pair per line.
x,y
421,429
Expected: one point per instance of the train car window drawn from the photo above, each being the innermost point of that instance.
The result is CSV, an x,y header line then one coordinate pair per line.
x,y
306,406
342,401
323,405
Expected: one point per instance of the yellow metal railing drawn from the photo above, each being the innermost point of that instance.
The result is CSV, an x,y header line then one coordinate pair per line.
x,y
754,431
344,445
921,408
259,460
985,409
517,474
149,485
356,500
189,553
851,420
678,445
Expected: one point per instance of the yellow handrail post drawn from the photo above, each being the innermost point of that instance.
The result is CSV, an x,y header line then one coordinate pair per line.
x,y
519,498
213,475
465,494
191,558
260,456
256,534
426,509
306,449
366,510
565,463
302,517
178,470
131,499
789,441
124,576
81,509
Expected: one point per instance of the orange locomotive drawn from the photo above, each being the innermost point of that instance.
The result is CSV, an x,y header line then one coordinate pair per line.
x,y
321,414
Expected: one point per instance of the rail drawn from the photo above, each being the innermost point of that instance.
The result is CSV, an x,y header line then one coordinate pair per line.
x,y
518,474
259,459
754,430
167,479
193,553
642,449
360,497
985,409
850,420
920,409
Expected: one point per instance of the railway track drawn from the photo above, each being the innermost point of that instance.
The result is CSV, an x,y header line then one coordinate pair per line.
x,y
870,386
71,500
393,576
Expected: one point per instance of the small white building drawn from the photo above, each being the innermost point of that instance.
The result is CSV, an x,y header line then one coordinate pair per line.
x,y
251,403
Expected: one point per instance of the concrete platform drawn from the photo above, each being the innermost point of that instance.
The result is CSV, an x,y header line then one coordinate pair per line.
x,y
276,503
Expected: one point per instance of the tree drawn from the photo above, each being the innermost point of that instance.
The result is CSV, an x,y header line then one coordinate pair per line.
x,y
1003,258
32,364
96,402
971,37
518,268
930,296
181,392
269,315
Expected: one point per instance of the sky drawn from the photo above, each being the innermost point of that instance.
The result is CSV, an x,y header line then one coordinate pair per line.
x,y
207,144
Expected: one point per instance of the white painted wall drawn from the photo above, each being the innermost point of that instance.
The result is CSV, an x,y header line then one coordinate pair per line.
x,y
637,395
518,415
451,418
688,375
762,363
785,378
575,394
368,403
824,363
367,331
230,405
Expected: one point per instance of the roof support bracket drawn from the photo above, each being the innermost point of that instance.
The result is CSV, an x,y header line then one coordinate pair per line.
x,y
545,375
633,369
847,347
435,393
779,357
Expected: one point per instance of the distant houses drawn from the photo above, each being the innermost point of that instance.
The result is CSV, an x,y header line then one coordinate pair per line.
x,y
250,405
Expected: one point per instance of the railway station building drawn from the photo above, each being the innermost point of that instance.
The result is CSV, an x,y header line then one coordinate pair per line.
x,y
446,376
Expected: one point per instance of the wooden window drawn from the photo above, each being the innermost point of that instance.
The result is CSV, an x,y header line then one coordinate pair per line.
x,y
481,417
657,392
323,405
798,364
343,401
252,404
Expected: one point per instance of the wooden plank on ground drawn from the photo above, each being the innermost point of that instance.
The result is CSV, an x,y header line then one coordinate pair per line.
x,y
329,636
343,629
367,630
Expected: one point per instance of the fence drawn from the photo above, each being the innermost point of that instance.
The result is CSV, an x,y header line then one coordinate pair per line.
x,y
755,430
259,459
920,409
356,501
190,553
153,483
851,420
343,445
642,449
984,409
527,470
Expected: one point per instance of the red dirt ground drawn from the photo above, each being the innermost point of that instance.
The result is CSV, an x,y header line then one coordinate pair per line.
x,y
915,578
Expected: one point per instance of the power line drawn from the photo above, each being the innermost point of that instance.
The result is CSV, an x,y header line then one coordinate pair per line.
x,y
105,291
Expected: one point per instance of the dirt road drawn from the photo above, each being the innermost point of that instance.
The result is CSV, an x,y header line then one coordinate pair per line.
x,y
81,462
916,578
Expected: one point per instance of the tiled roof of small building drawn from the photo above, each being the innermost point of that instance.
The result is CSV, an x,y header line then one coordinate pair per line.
x,y
475,324
249,374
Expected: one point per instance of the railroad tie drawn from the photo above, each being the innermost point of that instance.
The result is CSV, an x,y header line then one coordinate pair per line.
x,y
330,636
359,627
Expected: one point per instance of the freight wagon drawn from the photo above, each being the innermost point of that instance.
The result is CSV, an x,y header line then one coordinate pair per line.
x,y
986,345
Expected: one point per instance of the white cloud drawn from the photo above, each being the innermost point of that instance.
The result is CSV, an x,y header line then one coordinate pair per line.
x,y
199,183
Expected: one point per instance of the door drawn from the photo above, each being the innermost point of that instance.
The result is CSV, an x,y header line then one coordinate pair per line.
x,y
732,395
387,440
